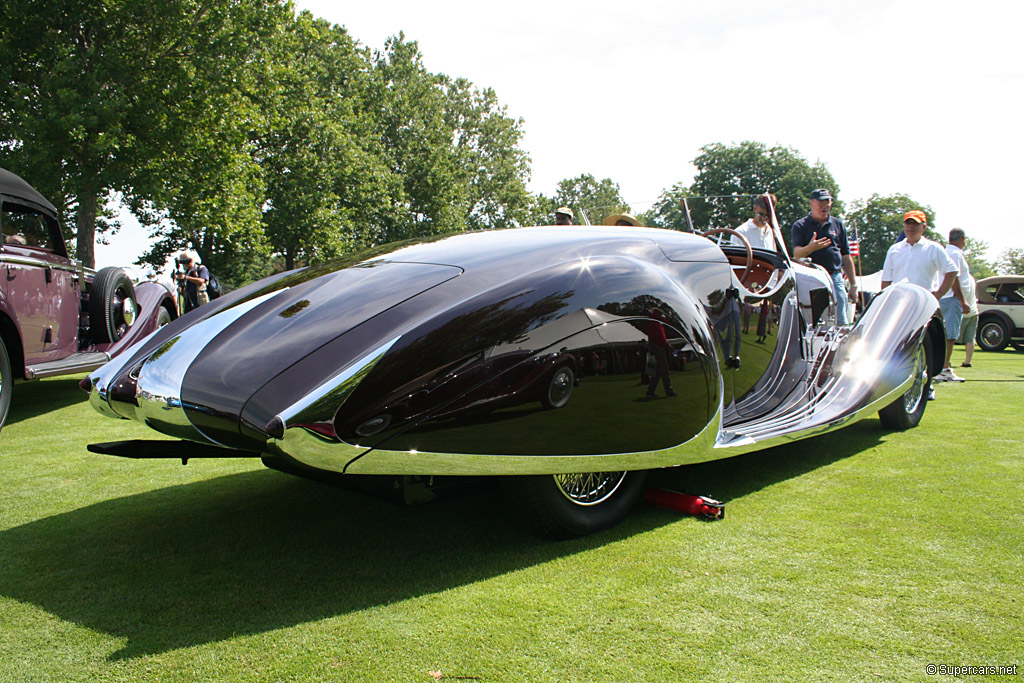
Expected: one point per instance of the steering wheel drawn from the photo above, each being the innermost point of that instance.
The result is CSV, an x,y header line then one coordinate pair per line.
x,y
748,267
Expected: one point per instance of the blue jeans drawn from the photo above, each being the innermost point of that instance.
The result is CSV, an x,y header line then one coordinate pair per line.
x,y
842,301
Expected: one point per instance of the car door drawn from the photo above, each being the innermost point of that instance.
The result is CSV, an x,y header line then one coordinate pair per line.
x,y
40,284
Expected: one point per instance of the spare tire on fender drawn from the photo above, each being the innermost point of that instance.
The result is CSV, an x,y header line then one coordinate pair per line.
x,y
113,308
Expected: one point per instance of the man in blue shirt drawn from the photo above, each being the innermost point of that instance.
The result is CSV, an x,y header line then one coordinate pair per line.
x,y
822,237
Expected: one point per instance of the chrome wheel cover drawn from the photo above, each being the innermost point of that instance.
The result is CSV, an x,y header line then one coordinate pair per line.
x,y
992,333
915,393
589,488
560,388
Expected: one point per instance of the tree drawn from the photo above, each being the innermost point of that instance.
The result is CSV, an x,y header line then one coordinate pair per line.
x,y
540,210
974,252
1011,262
877,222
749,168
453,146
598,199
491,164
328,185
94,92
667,212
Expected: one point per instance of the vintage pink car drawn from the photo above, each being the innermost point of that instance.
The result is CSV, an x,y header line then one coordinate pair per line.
x,y
57,317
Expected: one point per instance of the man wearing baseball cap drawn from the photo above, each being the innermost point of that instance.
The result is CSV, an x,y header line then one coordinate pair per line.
x,y
922,262
822,237
563,216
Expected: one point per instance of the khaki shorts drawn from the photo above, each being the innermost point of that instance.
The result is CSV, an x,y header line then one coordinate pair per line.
x,y
968,329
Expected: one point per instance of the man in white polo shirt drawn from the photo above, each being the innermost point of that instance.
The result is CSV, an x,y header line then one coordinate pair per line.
x,y
919,261
953,303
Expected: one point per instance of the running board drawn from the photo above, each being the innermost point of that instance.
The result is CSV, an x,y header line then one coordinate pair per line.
x,y
76,362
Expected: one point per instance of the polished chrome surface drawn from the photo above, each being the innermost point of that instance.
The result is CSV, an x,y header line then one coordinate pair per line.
x,y
321,453
851,374
160,377
325,400
77,362
20,260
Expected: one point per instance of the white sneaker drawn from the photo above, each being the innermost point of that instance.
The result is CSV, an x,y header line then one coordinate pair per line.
x,y
952,376
943,376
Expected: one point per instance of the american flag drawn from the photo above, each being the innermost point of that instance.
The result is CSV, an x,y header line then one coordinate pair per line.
x,y
854,248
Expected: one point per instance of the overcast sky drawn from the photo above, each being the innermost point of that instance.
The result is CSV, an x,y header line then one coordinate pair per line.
x,y
893,96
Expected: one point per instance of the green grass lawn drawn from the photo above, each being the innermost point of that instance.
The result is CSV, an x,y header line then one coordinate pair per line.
x,y
858,556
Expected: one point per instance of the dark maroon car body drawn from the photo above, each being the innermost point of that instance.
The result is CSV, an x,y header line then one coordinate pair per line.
x,y
57,317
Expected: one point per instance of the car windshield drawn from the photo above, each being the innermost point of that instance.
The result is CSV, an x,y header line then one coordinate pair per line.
x,y
1007,292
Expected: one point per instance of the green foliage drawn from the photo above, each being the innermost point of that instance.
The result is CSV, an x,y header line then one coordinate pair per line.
x,y
974,251
453,146
597,198
878,221
242,130
99,97
667,212
749,168
1011,262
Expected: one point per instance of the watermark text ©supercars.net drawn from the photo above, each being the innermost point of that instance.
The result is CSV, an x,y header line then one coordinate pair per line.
x,y
982,670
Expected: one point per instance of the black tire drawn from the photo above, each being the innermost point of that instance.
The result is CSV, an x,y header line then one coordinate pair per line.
x,y
6,383
163,318
993,335
906,411
572,505
559,389
112,305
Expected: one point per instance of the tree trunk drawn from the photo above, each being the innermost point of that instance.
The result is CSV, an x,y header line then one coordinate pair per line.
x,y
85,223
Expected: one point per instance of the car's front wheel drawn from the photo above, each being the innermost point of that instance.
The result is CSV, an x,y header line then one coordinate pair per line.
x,y
906,411
560,388
6,383
993,335
573,505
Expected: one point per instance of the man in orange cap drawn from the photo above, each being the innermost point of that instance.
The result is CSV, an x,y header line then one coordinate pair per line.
x,y
922,262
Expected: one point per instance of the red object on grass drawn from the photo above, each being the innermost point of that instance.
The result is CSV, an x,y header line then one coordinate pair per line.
x,y
698,506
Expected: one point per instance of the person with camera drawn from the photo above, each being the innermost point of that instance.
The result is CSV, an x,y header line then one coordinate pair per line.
x,y
191,277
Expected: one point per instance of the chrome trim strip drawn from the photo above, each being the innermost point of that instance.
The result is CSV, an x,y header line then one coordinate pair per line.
x,y
334,391
38,262
162,374
83,363
700,448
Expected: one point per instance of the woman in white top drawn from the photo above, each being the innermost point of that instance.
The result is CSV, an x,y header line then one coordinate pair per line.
x,y
758,230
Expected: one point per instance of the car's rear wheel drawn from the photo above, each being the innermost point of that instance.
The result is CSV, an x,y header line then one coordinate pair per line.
x,y
112,305
573,505
993,335
560,388
906,411
6,383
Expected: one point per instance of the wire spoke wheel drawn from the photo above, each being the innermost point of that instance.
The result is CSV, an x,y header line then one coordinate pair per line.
x,y
589,488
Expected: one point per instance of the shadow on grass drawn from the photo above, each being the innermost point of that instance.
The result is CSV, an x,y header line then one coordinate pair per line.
x,y
253,552
32,399
740,475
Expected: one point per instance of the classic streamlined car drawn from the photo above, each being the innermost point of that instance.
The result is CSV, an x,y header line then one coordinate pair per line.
x,y
522,354
56,317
